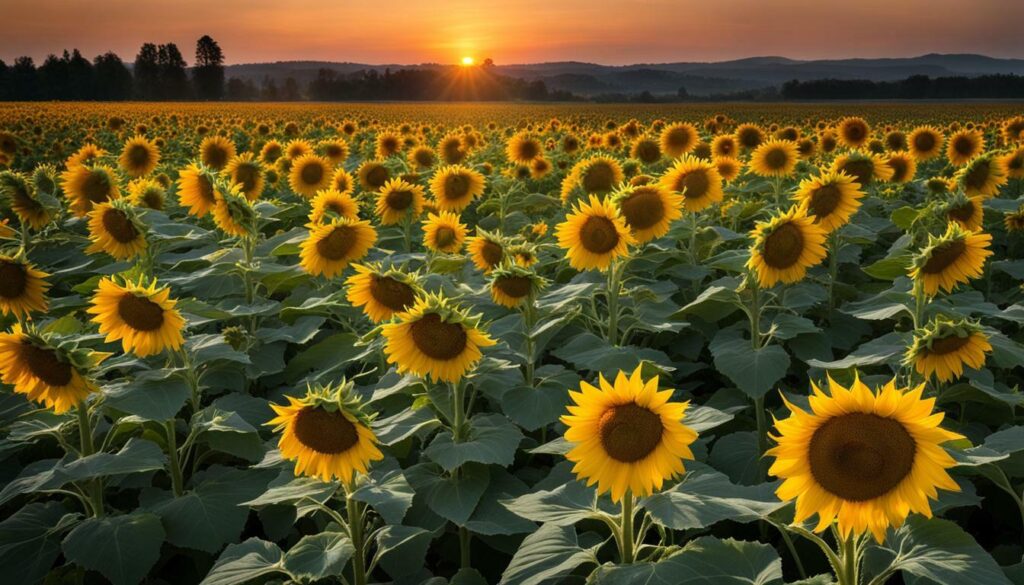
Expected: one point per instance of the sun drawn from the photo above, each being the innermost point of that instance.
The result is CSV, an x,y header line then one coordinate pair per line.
x,y
467,61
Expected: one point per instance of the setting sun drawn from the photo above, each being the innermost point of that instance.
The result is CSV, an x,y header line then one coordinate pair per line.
x,y
467,61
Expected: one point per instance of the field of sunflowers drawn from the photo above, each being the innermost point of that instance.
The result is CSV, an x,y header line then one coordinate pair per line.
x,y
518,344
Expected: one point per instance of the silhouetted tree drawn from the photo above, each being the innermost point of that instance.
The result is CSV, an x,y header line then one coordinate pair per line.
x,y
5,81
269,91
146,72
112,79
24,80
173,79
291,90
208,73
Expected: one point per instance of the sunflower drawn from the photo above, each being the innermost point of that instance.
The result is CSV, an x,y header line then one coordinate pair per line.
x,y
381,293
44,371
216,151
646,150
648,210
22,287
454,187
333,246
86,155
1014,220
399,200
951,259
147,193
865,168
116,229
854,132
486,250
594,175
775,158
925,143
86,185
336,150
513,285
903,165
944,347
830,198
443,232
963,146
1013,130
326,433
247,173
22,198
728,167
196,189
233,213
435,339
139,157
724,146
594,234
388,145
1014,163
422,158
678,139
452,148
271,151
143,318
329,204
310,173
524,255
523,148
865,459
966,211
372,175
749,136
627,437
983,176
697,180
297,148
785,247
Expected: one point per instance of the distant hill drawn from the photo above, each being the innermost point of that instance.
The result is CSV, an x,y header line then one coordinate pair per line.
x,y
698,78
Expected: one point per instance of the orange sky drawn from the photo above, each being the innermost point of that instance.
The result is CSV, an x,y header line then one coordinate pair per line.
x,y
601,31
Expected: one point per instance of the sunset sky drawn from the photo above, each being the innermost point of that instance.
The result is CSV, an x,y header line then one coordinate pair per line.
x,y
600,31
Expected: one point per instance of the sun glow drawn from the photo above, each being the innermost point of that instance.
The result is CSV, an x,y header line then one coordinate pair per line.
x,y
467,61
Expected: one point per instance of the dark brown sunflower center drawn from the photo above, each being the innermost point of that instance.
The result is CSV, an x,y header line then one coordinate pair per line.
x,y
855,133
456,187
96,187
943,256
516,287
444,237
948,344
598,235
861,456
438,339
138,156
216,157
962,212
140,313
205,189
377,176
424,158
45,364
492,253
247,176
13,280
862,170
679,138
324,431
694,185
749,137
334,150
336,207
924,142
23,200
393,294
119,226
977,176
312,174
528,149
153,199
399,200
783,247
963,146
776,158
630,432
599,178
337,244
899,169
648,151
643,209
824,200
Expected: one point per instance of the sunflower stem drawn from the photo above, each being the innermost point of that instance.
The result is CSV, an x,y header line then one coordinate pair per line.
x,y
614,289
833,270
529,319
355,529
920,302
172,454
95,488
626,525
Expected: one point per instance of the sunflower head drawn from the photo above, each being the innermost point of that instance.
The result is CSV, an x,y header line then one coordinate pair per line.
x,y
335,150
523,148
382,292
943,347
454,187
233,213
860,458
327,433
830,198
435,339
627,437
444,232
594,234
372,175
47,368
117,229
775,158
966,211
951,259
399,200
147,193
964,145
216,151
983,176
139,314
1014,220
22,196
139,156
925,143
648,210
332,246
246,172
854,132
309,174
903,165
785,247
696,180
864,167
87,185
646,150
487,250
22,287
512,285
679,139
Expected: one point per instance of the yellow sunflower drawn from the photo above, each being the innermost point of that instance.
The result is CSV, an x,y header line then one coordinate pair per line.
x,y
86,155
443,232
724,146
216,151
487,250
335,150
21,196
143,318
147,193
865,168
983,176
435,339
903,165
862,459
326,434
454,187
297,148
830,198
382,294
22,287
728,167
1014,163
87,185
116,229
964,145
951,259
310,173
854,132
595,175
329,204
785,247
422,158
775,158
966,211
627,437
388,145
678,139
196,190
271,151
333,246
649,210
925,143
233,213
646,150
944,347
247,173
139,156
749,136
44,371
594,235
697,180
523,148
398,201
372,175
513,285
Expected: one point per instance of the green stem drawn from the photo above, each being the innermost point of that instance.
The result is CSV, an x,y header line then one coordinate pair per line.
x,y
614,289
355,529
920,302
458,426
529,319
464,548
626,542
175,463
793,552
833,270
760,415
755,311
95,488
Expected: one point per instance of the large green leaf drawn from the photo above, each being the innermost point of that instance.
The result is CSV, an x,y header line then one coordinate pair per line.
x,y
121,548
939,551
565,505
705,561
30,541
317,556
245,563
387,491
453,497
754,371
705,497
491,439
546,556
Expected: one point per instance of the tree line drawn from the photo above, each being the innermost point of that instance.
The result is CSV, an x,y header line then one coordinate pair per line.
x,y
914,87
159,72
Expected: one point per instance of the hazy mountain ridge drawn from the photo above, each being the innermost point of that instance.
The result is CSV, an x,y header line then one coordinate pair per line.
x,y
664,78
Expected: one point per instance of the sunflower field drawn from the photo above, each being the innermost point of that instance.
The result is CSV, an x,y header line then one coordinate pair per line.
x,y
515,344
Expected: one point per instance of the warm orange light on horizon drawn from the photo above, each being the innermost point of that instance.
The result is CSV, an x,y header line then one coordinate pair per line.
x,y
467,61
